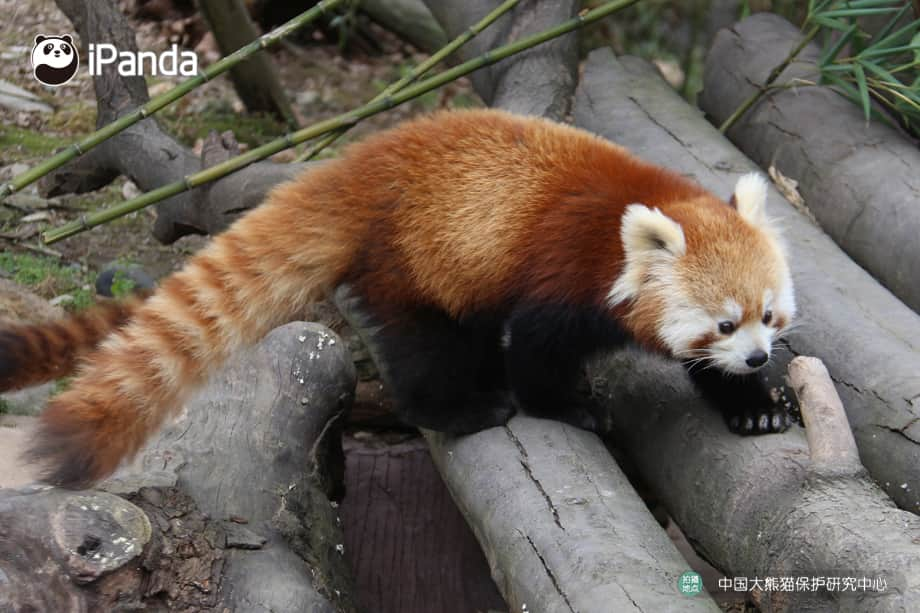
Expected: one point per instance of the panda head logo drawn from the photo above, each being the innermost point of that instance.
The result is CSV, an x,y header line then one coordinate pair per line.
x,y
54,59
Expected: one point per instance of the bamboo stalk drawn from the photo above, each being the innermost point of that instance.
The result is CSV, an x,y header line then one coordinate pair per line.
x,y
329,125
774,74
222,65
416,72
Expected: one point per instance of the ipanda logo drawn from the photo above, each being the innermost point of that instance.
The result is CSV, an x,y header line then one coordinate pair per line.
x,y
55,60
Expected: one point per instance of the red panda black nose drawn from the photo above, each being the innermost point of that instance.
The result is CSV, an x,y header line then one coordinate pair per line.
x,y
757,358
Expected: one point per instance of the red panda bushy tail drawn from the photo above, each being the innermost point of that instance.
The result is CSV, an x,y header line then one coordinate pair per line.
x,y
36,353
259,274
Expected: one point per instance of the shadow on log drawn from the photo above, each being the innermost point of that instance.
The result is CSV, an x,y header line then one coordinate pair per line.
x,y
861,180
231,503
866,336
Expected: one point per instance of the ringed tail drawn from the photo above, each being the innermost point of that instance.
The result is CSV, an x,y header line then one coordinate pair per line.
x,y
260,273
31,354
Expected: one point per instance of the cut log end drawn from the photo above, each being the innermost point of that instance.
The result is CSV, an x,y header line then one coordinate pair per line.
x,y
830,440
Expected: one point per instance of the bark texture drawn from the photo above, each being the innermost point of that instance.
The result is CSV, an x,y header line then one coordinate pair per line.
x,y
411,19
867,338
758,507
255,80
561,526
861,180
536,82
231,504
147,154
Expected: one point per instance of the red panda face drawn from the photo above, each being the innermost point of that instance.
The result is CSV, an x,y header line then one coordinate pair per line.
x,y
707,282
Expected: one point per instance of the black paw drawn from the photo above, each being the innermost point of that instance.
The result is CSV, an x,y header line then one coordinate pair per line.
x,y
480,412
581,414
765,420
576,411
480,417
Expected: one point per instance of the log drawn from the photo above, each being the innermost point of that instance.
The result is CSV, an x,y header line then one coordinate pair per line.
x,y
560,524
145,153
759,507
229,507
255,80
410,19
860,179
536,82
866,336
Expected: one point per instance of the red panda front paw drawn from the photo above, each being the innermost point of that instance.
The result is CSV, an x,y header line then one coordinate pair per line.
x,y
763,420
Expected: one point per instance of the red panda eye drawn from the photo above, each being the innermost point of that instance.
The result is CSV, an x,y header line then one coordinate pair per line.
x,y
767,317
726,327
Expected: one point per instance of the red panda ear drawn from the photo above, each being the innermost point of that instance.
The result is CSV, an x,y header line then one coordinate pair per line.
x,y
646,231
750,198
649,237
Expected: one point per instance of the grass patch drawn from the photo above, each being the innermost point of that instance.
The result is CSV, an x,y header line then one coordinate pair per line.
x,y
17,143
252,129
48,278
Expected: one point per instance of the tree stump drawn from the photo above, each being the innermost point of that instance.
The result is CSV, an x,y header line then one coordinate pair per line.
x,y
232,504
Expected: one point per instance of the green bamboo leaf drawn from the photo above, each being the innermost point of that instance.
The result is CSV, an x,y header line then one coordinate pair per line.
x,y
873,52
814,9
858,12
745,10
831,54
844,87
846,67
863,90
880,71
907,30
858,4
832,24
895,19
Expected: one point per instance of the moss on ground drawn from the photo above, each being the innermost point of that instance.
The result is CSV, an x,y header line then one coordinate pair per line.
x,y
252,128
20,143
48,278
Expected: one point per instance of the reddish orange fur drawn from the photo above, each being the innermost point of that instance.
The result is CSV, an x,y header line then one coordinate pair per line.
x,y
461,211
36,353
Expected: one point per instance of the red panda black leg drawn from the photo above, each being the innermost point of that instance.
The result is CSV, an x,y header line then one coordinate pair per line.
x,y
744,401
545,349
444,375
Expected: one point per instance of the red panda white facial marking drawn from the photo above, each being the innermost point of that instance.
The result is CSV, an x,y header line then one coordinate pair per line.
x,y
701,278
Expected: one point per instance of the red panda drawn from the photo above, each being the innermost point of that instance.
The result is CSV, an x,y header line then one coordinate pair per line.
x,y
492,253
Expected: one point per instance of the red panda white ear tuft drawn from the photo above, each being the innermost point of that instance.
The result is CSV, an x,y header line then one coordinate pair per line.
x,y
645,231
651,240
750,198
